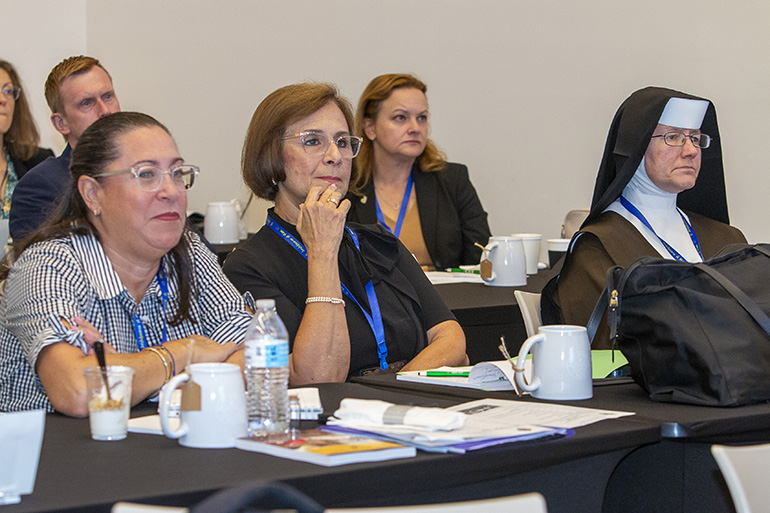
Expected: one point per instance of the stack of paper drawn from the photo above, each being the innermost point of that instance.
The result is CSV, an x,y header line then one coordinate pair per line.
x,y
488,422
439,277
482,376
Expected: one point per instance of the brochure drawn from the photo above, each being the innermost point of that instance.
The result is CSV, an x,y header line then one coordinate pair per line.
x,y
324,448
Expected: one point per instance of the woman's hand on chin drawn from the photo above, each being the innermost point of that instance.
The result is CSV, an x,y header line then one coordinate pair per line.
x,y
322,219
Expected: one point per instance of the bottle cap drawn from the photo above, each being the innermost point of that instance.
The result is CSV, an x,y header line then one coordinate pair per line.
x,y
265,303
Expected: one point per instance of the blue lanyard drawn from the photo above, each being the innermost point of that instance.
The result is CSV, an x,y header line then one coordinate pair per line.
x,y
139,330
674,253
401,213
375,319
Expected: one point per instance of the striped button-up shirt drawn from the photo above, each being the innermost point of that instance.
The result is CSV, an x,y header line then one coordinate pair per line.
x,y
60,279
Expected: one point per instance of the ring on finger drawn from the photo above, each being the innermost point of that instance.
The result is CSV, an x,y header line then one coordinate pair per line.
x,y
334,200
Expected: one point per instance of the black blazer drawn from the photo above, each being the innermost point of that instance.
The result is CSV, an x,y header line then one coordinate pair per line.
x,y
22,166
451,214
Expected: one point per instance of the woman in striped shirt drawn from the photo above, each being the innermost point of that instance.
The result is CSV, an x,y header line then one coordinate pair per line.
x,y
117,263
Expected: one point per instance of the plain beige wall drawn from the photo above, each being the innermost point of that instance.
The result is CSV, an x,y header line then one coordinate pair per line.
x,y
522,92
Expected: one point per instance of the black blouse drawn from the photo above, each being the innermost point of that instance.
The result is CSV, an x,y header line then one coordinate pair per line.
x,y
269,267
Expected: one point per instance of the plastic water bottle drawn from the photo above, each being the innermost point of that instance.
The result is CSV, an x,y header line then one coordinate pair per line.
x,y
267,371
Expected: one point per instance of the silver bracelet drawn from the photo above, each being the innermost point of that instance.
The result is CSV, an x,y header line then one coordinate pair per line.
x,y
324,299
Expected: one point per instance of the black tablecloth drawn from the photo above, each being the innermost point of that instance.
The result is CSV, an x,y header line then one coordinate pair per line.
x,y
677,474
683,421
76,473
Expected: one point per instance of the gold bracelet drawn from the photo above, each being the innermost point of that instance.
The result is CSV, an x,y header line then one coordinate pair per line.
x,y
166,364
324,299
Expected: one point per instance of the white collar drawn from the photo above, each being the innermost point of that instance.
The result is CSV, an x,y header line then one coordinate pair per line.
x,y
660,210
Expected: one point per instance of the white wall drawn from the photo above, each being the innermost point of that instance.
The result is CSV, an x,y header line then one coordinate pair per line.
x,y
521,91
35,35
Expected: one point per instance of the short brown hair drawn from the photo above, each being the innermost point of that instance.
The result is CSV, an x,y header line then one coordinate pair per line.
x,y
66,68
262,165
22,138
379,90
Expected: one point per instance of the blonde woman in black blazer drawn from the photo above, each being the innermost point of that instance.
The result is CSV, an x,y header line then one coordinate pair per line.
x,y
406,183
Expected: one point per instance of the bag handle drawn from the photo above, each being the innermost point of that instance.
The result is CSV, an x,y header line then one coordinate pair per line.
x,y
743,299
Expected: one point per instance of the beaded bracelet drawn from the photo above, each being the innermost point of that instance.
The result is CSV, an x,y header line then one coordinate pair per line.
x,y
324,299
173,361
166,365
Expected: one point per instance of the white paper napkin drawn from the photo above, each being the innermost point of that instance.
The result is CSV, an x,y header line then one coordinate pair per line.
x,y
22,436
362,412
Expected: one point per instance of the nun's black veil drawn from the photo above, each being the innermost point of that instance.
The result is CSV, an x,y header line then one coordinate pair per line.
x,y
627,142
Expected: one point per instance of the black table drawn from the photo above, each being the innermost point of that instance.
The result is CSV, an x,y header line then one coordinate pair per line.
x,y
677,474
486,312
76,473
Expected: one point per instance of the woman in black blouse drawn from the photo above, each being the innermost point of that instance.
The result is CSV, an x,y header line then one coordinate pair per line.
x,y
354,300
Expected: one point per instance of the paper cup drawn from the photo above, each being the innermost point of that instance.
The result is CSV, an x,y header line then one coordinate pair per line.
x,y
556,250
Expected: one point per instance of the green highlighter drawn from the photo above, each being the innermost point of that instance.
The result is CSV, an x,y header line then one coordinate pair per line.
x,y
444,374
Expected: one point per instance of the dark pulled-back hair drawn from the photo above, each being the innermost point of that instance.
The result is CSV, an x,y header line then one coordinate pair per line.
x,y
22,138
97,148
262,163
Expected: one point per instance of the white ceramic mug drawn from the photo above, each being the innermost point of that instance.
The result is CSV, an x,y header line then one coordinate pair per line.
x,y
221,223
531,243
561,363
221,418
508,262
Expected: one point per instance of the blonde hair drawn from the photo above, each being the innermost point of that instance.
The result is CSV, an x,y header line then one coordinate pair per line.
x,y
379,90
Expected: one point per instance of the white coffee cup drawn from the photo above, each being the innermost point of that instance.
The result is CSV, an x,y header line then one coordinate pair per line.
x,y
556,250
561,363
509,267
221,223
531,243
214,415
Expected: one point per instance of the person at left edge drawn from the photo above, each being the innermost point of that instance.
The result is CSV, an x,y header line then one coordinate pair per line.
x,y
299,153
115,262
19,151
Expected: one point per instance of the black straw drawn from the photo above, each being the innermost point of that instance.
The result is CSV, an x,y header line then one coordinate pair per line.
x,y
99,350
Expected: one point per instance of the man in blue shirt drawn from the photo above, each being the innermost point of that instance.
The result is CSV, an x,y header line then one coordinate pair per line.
x,y
79,91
